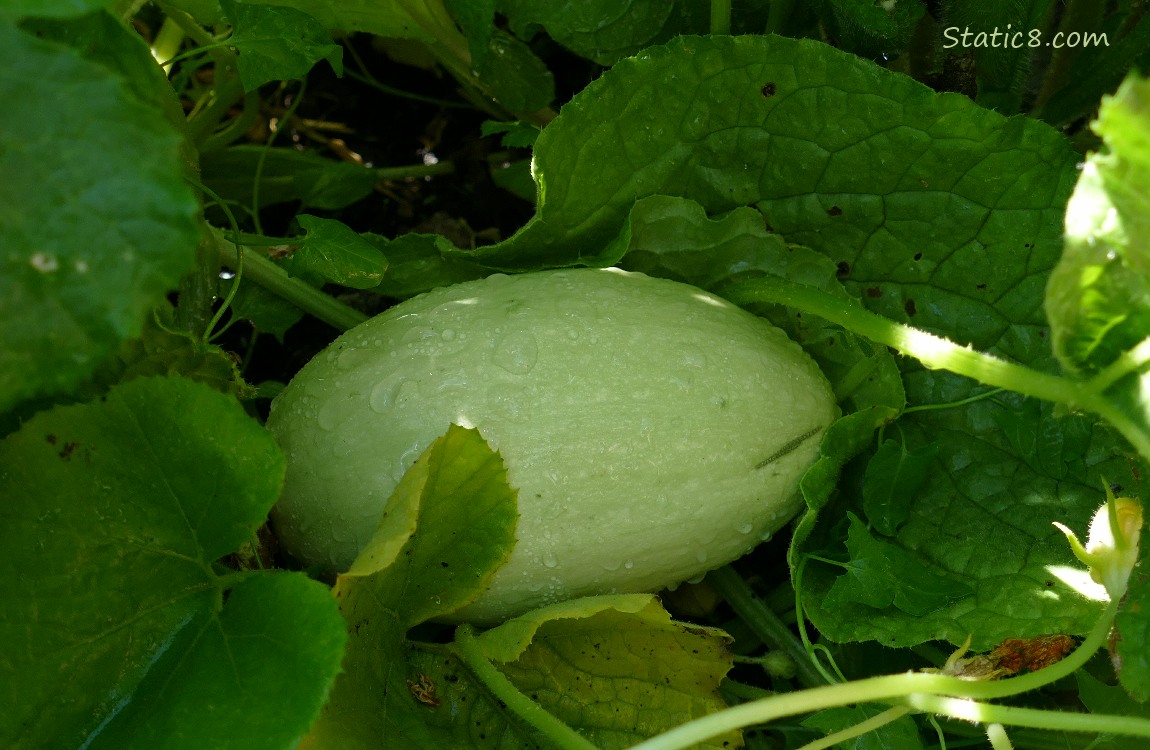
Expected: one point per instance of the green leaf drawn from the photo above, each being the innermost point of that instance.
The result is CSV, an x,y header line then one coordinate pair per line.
x,y
516,77
1098,300
1125,169
1097,70
286,175
467,517
515,134
1100,698
948,219
615,668
424,20
449,524
602,30
893,476
675,239
901,733
877,31
277,43
881,575
163,350
477,20
102,38
846,438
420,262
11,9
113,620
984,520
266,310
513,176
109,229
255,677
333,252
1133,627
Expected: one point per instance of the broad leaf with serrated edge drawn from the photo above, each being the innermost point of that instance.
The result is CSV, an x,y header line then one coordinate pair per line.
x,y
333,252
277,43
115,632
616,668
108,230
449,524
983,520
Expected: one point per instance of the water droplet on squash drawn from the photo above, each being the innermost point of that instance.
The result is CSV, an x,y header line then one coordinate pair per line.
x,y
417,334
745,528
549,560
334,413
406,394
383,395
517,352
701,556
629,564
350,358
612,565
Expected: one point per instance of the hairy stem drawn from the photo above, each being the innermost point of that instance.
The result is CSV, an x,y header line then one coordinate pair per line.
x,y
875,722
720,17
467,647
913,687
996,733
765,624
936,352
1064,721
262,271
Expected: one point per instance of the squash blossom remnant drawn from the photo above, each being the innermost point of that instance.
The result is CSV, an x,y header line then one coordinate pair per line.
x,y
1111,550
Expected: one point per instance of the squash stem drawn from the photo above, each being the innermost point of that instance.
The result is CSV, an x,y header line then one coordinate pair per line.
x,y
766,624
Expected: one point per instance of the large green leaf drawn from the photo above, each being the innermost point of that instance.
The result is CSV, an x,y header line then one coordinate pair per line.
x,y
616,668
423,20
333,252
108,230
605,30
277,43
115,631
48,8
976,553
285,175
447,526
937,212
1098,300
1133,627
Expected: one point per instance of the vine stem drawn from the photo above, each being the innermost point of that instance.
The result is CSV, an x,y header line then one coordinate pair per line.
x,y
1065,721
919,690
996,733
720,17
936,352
262,271
469,650
765,623
875,722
